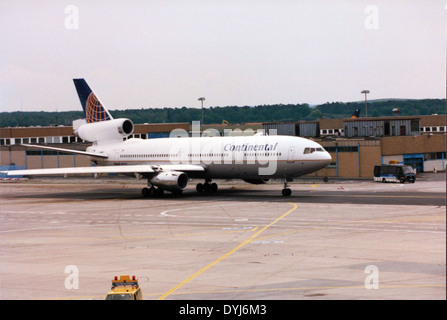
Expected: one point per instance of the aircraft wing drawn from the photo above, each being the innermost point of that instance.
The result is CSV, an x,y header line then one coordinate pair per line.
x,y
85,153
107,169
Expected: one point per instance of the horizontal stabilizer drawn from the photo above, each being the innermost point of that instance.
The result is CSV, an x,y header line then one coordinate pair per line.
x,y
85,153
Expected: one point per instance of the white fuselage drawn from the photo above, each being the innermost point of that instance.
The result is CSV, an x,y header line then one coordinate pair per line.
x,y
168,163
241,157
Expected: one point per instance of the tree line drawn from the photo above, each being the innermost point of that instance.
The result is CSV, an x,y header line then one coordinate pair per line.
x,y
237,114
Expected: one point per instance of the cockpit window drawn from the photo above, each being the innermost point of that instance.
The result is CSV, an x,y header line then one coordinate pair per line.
x,y
312,150
309,150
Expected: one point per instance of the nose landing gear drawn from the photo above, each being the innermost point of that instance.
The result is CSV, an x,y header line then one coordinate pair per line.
x,y
286,191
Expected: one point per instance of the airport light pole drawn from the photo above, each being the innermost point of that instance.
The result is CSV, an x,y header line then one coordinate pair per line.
x,y
201,99
366,101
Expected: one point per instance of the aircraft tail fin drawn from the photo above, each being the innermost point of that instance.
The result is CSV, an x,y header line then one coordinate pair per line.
x,y
93,109
356,113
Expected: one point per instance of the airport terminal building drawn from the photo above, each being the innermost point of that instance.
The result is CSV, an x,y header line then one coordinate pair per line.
x,y
356,145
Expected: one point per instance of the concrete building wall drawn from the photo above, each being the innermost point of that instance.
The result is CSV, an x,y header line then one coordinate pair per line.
x,y
329,171
433,120
413,144
24,132
369,157
12,155
347,163
356,164
435,165
398,157
37,162
331,123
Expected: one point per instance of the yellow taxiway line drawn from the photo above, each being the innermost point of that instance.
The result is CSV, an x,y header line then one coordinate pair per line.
x,y
247,241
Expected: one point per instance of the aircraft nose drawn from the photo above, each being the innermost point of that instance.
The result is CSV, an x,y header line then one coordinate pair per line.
x,y
327,157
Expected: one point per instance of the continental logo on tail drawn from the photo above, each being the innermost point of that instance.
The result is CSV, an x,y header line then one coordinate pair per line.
x,y
94,111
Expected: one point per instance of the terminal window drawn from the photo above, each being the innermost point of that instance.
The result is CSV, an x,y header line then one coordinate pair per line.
x,y
435,156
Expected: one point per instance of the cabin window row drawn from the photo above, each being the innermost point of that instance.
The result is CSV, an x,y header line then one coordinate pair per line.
x,y
195,155
161,155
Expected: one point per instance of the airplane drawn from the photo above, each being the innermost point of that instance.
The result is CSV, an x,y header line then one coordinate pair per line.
x,y
355,114
168,164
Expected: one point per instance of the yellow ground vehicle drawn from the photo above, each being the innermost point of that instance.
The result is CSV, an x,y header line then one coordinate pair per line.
x,y
125,288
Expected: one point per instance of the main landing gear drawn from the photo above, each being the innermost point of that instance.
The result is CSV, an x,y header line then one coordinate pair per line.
x,y
157,192
286,190
152,192
206,187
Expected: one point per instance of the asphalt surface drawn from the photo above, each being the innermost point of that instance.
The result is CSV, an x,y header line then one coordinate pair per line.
x,y
67,239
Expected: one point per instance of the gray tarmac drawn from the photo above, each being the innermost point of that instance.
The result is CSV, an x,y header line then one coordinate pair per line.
x,y
346,239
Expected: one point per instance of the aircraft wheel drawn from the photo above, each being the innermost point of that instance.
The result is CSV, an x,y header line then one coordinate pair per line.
x,y
286,192
146,192
159,192
213,187
177,193
199,187
206,187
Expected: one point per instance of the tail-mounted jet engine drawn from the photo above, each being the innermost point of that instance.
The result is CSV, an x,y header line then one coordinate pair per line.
x,y
116,129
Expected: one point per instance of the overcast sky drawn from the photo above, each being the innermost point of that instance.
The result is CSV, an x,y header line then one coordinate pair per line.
x,y
145,54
